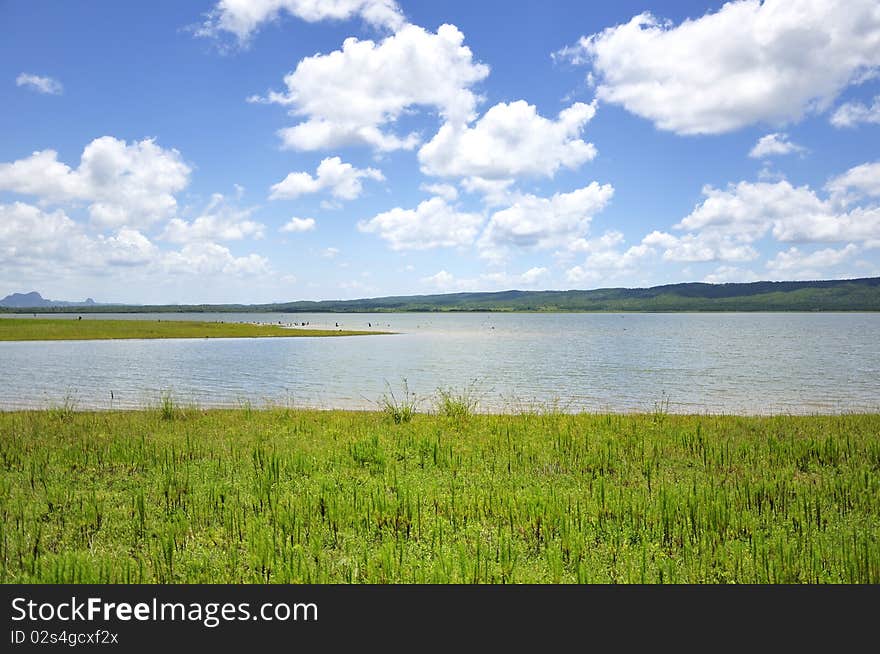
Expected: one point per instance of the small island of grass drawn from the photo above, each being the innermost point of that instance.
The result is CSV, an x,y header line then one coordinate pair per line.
x,y
61,329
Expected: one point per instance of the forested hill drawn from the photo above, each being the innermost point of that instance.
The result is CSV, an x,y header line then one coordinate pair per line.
x,y
831,295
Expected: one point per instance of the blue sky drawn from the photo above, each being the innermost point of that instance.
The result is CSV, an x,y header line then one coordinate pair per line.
x,y
277,150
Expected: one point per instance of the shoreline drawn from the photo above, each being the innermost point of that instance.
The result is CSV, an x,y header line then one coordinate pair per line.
x,y
532,411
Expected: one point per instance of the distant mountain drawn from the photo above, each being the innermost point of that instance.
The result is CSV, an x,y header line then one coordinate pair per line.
x,y
34,300
828,295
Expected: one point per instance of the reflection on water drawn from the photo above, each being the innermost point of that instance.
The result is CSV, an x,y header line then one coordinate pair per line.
x,y
720,363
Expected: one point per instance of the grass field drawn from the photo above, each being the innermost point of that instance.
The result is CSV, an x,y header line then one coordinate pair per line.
x,y
177,494
60,329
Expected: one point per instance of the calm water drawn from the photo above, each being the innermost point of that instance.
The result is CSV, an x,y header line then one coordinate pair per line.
x,y
718,363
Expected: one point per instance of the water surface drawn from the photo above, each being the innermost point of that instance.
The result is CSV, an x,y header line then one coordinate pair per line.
x,y
717,363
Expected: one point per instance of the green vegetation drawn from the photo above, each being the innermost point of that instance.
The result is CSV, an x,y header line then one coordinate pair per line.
x,y
57,329
176,494
828,295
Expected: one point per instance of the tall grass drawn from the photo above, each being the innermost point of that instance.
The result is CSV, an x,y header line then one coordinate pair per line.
x,y
63,411
400,407
284,495
457,405
167,406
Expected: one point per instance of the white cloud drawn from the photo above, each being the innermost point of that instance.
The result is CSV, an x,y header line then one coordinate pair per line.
x,y
127,248
39,84
536,222
749,62
532,275
774,144
730,274
298,225
728,222
610,240
851,114
125,185
330,253
443,280
606,258
342,180
857,181
510,140
446,281
212,259
495,192
30,235
242,18
433,223
354,95
218,222
767,174
747,210
358,287
708,245
795,264
446,191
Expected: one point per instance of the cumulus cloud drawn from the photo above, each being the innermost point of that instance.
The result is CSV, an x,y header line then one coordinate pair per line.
x,y
123,185
532,275
433,223
797,263
605,257
242,18
330,253
730,274
857,181
509,140
728,222
747,210
298,225
749,62
708,245
128,247
40,84
443,280
446,191
356,94
446,281
774,144
220,221
494,192
851,114
536,222
212,259
342,180
29,236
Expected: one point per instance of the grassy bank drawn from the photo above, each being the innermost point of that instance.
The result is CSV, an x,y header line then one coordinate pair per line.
x,y
184,495
51,329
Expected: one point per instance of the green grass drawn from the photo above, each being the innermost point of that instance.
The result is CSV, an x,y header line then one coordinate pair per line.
x,y
175,495
60,329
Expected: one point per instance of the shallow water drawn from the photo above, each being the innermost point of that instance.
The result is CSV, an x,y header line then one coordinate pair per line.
x,y
717,363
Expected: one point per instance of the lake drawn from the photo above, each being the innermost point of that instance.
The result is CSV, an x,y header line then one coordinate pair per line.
x,y
755,363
